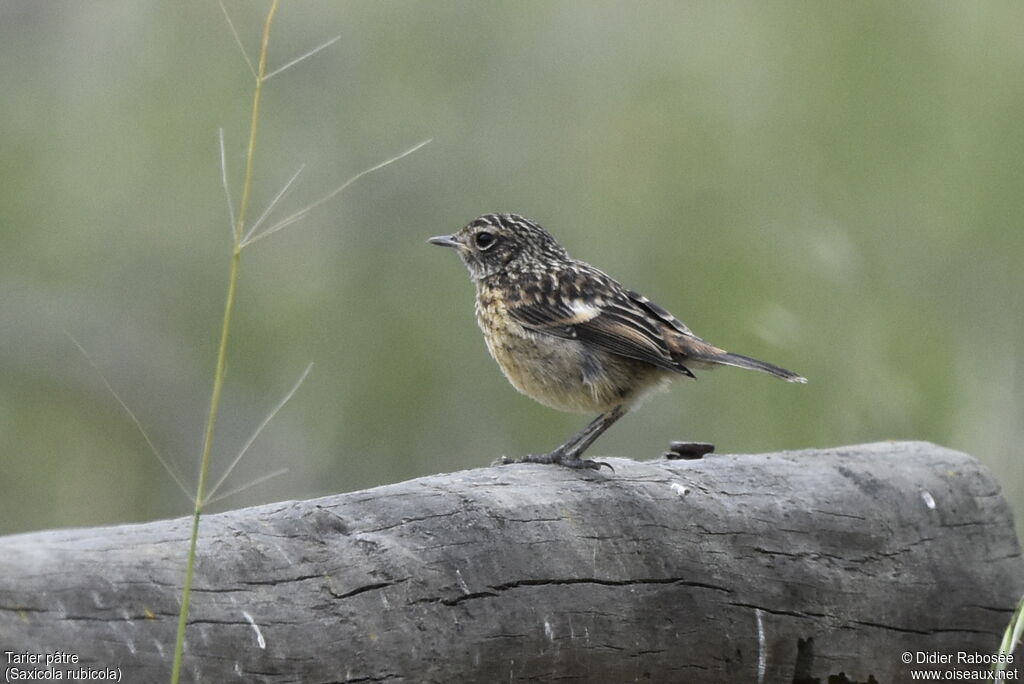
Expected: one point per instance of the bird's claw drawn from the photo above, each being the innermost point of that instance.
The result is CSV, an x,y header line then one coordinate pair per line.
x,y
588,463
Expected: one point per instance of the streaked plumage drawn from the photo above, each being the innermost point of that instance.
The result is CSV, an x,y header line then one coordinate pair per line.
x,y
569,335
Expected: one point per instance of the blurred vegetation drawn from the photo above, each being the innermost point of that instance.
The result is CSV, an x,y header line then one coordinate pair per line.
x,y
835,187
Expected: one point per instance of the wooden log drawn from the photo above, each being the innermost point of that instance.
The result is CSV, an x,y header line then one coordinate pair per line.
x,y
808,566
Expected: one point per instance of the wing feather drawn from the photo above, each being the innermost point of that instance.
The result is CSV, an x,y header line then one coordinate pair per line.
x,y
619,322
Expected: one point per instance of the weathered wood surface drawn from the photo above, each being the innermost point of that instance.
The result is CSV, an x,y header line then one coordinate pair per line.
x,y
780,567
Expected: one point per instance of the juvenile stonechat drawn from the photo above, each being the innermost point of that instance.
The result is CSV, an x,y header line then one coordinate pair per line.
x,y
570,336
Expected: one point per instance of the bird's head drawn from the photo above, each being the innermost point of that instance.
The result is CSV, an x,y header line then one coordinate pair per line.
x,y
494,243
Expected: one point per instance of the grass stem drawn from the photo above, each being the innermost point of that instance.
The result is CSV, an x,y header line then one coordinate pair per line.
x,y
218,377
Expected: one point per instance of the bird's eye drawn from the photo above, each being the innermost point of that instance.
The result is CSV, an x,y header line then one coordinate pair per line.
x,y
484,240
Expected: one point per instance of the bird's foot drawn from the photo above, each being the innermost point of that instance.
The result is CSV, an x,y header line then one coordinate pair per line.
x,y
585,463
556,457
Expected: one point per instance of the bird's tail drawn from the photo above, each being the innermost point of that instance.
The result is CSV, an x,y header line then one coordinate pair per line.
x,y
697,353
741,361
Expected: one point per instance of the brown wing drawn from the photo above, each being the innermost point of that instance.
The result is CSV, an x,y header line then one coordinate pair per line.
x,y
659,312
600,313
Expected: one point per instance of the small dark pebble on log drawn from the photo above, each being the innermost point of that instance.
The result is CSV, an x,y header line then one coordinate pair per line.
x,y
688,451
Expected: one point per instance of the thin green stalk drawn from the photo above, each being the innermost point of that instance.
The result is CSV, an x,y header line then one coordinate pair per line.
x,y
257,95
238,230
218,385
1011,637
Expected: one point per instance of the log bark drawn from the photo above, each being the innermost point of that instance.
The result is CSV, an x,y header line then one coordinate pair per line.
x,y
808,566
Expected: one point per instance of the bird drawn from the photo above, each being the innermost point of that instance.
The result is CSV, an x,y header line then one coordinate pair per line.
x,y
572,337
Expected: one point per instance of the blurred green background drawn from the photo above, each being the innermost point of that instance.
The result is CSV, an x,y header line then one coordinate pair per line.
x,y
833,187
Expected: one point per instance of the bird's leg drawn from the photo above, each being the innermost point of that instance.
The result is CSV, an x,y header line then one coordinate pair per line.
x,y
578,443
569,453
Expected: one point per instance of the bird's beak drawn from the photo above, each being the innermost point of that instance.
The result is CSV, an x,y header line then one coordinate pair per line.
x,y
444,241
